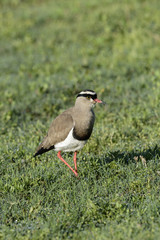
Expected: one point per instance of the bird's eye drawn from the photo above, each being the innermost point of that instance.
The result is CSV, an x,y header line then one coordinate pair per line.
x,y
88,97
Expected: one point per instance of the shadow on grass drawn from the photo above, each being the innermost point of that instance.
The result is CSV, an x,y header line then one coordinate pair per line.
x,y
127,157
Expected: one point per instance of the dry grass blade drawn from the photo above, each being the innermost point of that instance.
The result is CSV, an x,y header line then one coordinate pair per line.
x,y
143,161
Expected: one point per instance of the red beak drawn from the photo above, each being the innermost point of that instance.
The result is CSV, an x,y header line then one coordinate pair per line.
x,y
98,101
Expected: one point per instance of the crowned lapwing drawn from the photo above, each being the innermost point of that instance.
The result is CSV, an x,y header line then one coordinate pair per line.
x,y
70,131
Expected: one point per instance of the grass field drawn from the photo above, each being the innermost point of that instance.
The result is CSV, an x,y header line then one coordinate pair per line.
x,y
49,51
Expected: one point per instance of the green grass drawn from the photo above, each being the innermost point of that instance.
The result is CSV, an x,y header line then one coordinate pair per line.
x,y
49,51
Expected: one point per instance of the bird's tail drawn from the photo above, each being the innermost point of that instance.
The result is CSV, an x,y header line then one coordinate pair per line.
x,y
42,148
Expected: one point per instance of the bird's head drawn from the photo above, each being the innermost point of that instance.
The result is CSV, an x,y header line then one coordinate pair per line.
x,y
88,98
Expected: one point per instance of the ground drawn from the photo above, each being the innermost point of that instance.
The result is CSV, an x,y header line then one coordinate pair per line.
x,y
50,51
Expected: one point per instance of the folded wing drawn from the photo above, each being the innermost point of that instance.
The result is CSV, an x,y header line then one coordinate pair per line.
x,y
58,132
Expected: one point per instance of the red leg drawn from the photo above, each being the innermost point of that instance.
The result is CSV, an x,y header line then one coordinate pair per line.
x,y
60,157
75,161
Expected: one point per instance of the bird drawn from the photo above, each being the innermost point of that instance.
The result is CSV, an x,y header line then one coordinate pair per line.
x,y
70,130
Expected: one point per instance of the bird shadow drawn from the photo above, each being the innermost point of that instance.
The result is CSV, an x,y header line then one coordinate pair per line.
x,y
132,156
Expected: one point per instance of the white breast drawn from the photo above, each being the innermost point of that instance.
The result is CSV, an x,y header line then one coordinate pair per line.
x,y
70,144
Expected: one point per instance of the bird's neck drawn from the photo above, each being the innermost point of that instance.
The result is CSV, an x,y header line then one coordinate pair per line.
x,y
84,121
81,109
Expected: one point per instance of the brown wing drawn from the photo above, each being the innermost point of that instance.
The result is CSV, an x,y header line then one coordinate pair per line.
x,y
58,131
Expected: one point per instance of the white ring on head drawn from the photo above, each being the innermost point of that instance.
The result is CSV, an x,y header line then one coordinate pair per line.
x,y
87,92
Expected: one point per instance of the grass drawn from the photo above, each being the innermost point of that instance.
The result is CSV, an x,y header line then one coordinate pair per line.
x,y
49,51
